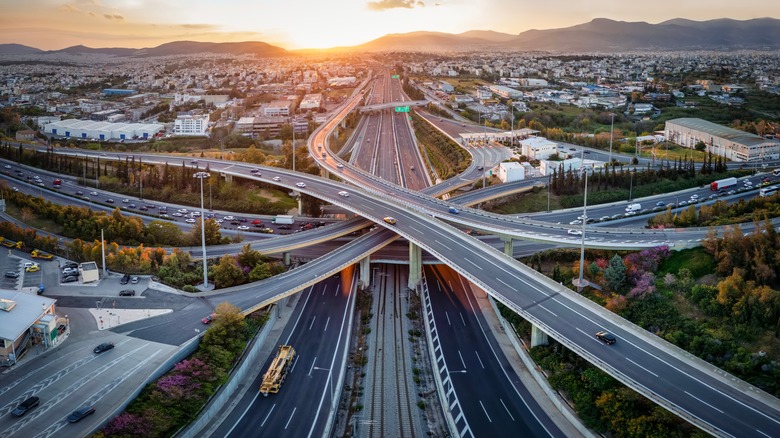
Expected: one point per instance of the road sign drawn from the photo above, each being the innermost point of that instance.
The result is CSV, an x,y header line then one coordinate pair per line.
x,y
395,77
402,109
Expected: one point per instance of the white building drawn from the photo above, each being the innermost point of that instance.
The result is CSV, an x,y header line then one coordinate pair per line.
x,y
189,124
547,167
731,143
538,148
505,92
278,108
510,172
88,129
311,102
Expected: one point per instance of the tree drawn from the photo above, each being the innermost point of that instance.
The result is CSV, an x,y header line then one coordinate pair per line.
x,y
227,273
261,271
249,257
615,274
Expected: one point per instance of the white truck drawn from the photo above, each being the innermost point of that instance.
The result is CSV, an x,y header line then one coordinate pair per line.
x,y
283,219
633,208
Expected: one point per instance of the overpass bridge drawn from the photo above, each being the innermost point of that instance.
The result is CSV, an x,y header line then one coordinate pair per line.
x,y
388,105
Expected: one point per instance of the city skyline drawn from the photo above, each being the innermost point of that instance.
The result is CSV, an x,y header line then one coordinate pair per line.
x,y
305,24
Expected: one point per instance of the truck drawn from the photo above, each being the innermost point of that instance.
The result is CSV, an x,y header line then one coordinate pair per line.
x,y
57,183
283,219
11,244
277,371
41,255
633,207
723,183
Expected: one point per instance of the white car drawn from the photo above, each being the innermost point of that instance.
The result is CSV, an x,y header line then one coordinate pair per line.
x,y
125,201
575,222
242,227
219,221
340,166
575,233
694,196
276,178
177,214
344,194
190,221
182,210
93,193
301,185
228,218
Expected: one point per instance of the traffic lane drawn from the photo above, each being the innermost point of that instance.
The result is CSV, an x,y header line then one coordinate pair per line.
x,y
491,406
173,328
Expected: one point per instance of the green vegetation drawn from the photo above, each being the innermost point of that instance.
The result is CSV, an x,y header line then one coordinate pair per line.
x,y
447,157
175,399
720,213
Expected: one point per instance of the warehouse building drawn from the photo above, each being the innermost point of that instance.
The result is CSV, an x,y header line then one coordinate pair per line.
x,y
88,129
730,143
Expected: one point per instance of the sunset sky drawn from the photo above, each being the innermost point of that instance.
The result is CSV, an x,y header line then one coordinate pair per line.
x,y
297,24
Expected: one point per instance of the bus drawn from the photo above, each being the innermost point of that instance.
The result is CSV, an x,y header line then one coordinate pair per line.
x,y
776,172
768,191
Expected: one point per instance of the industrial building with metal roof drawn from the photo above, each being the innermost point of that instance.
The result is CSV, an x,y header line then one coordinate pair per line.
x,y
730,143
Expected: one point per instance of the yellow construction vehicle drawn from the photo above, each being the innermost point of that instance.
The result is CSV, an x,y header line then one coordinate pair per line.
x,y
11,244
281,365
41,255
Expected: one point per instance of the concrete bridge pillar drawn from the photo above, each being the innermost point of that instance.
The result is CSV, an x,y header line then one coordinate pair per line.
x,y
343,123
324,173
508,246
538,337
365,273
228,177
286,258
300,204
415,265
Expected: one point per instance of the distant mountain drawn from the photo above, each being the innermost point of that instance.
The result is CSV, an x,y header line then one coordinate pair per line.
x,y
174,48
599,35
18,49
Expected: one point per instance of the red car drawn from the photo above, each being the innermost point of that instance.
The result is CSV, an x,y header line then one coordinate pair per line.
x,y
208,319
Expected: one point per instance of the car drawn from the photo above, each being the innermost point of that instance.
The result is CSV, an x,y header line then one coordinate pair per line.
x,y
582,217
255,171
714,196
301,185
15,189
42,184
93,193
228,218
127,293
731,192
390,220
219,221
70,265
276,178
143,208
194,162
683,202
453,210
190,221
80,414
177,214
606,337
235,223
125,201
257,222
208,319
480,168
125,279
134,280
79,193
70,279
340,166
132,206
69,271
25,406
105,346
110,201
617,216
86,198
242,219
575,232
195,214
164,216
694,196
7,166
12,274
576,222
660,203
285,227
344,194
604,218
268,230
242,227
182,210
33,268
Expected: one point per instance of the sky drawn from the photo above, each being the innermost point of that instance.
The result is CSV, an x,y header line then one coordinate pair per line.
x,y
300,24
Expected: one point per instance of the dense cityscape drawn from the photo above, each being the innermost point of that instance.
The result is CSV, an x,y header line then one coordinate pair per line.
x,y
429,234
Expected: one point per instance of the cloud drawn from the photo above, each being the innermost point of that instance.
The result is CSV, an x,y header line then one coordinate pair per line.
x,y
69,8
113,17
196,26
381,5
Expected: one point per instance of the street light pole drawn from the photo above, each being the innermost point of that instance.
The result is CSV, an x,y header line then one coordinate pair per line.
x,y
581,282
201,176
631,186
611,130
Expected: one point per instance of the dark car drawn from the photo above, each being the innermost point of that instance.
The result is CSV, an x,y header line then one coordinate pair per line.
x,y
70,265
105,346
125,279
70,279
127,293
80,413
606,337
25,406
284,227
11,274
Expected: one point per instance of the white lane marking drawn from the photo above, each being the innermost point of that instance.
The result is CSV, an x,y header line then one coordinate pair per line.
x,y
312,322
765,434
479,359
326,325
507,409
505,284
704,402
480,267
291,417
461,360
448,248
324,288
264,420
544,308
338,288
312,365
485,411
461,319
640,366
448,317
588,335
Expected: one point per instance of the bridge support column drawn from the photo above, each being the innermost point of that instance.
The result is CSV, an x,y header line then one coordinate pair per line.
x,y
538,337
286,258
228,177
324,173
415,265
508,246
344,124
300,205
365,273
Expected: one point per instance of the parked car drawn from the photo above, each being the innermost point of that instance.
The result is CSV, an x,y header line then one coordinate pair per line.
x,y
70,279
606,337
33,268
127,293
125,279
70,265
25,406
11,274
80,413
105,346
134,280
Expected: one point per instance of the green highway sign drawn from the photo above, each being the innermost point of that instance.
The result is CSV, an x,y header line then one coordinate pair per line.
x,y
395,77
402,109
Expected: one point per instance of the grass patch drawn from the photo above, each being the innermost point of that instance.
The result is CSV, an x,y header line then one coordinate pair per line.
x,y
697,260
33,221
528,202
